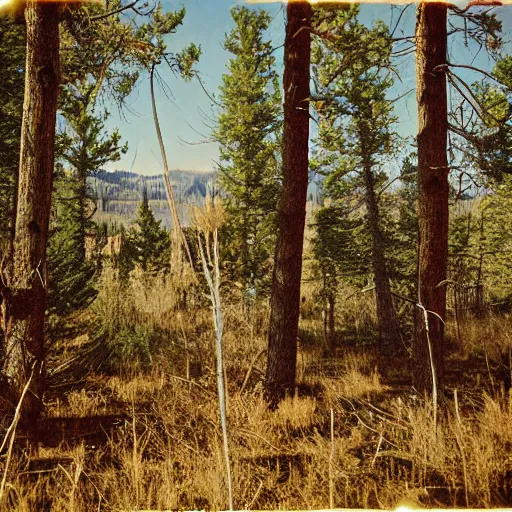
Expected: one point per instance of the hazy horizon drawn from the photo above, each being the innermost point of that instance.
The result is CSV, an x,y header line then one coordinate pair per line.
x,y
152,172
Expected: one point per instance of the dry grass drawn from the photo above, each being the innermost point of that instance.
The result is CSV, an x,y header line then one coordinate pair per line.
x,y
357,385
490,336
355,311
170,457
142,298
166,452
296,414
83,403
138,388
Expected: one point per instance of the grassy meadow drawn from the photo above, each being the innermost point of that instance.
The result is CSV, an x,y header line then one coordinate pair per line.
x,y
132,419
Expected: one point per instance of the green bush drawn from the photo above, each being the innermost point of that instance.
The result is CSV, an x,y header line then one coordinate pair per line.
x,y
138,347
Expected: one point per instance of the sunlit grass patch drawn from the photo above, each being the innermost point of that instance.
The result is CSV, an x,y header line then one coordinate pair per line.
x,y
139,387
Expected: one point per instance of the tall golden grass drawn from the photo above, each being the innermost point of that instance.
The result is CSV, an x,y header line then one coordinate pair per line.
x,y
381,447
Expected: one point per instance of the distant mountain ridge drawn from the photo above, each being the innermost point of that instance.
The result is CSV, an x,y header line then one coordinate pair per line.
x,y
128,186
119,193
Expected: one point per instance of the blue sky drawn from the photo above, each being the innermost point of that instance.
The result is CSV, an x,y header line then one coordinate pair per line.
x,y
181,116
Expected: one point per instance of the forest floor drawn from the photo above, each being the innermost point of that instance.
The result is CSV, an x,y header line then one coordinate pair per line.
x,y
357,435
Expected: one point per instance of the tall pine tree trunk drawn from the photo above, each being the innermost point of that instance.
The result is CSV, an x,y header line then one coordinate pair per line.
x,y
387,320
431,51
25,303
291,215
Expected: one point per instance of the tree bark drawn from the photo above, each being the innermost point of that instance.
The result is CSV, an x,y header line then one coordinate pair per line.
x,y
431,51
387,320
291,215
25,296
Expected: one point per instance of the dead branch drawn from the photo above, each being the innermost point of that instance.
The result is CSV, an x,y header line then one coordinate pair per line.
x,y
179,235
11,433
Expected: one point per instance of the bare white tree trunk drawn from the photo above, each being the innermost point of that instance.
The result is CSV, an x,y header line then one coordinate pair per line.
x,y
211,265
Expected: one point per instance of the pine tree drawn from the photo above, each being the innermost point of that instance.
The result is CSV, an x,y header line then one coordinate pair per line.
x,y
405,236
487,140
70,284
148,244
433,66
248,132
84,144
24,293
355,134
291,212
125,260
12,57
341,248
136,46
496,243
433,192
85,148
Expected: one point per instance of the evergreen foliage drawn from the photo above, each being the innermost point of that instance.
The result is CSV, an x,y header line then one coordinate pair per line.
x,y
495,147
355,137
494,242
12,83
488,141
341,245
70,272
355,118
85,148
108,68
248,133
482,130
147,244
125,259
402,233
479,230
480,243
121,51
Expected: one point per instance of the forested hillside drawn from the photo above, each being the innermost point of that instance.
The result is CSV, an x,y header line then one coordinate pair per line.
x,y
119,193
323,321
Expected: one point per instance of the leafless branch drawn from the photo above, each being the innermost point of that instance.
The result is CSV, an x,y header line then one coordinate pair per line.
x,y
472,68
475,3
210,97
116,11
218,321
11,432
398,21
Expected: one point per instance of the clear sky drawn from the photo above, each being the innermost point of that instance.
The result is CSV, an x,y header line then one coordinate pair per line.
x,y
184,116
